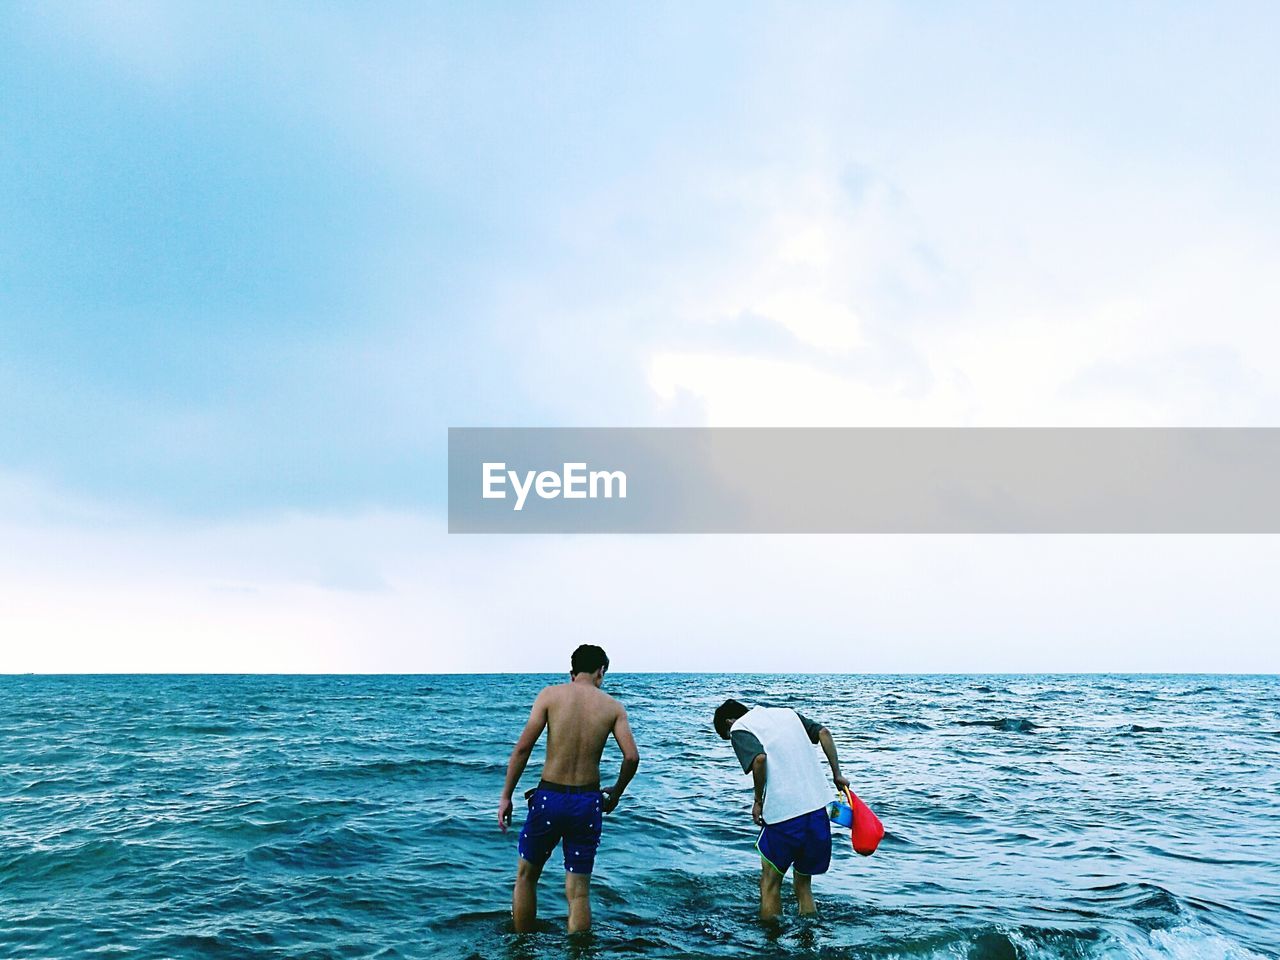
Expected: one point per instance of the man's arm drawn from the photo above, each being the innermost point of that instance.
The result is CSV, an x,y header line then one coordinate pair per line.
x,y
759,775
520,757
630,759
821,735
829,748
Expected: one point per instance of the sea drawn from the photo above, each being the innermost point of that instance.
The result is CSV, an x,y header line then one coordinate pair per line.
x,y
223,817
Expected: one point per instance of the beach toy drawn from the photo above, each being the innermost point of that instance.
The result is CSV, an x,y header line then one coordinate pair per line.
x,y
866,830
841,814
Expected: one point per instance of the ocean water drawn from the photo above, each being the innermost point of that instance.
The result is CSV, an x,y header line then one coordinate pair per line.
x,y
1027,816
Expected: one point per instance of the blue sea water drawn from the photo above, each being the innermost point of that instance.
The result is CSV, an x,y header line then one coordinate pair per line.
x,y
1027,816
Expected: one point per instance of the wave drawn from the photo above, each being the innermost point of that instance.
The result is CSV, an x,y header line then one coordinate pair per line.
x,y
1183,942
343,849
1003,724
1197,692
409,767
53,864
204,729
829,935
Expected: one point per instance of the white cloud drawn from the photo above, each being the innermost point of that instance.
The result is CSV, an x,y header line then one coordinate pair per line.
x,y
996,304
746,391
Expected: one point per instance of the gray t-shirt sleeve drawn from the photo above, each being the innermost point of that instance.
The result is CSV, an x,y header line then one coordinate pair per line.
x,y
747,746
810,727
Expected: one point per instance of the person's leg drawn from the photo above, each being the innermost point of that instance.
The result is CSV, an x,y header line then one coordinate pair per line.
x,y
770,891
538,837
804,893
813,857
524,901
577,890
776,846
581,841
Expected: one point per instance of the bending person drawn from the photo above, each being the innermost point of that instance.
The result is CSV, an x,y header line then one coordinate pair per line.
x,y
774,745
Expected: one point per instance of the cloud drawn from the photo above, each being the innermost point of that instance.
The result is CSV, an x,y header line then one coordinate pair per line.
x,y
319,239
260,259
1009,320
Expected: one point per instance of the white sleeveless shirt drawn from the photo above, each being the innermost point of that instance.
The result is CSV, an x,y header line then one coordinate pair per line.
x,y
795,783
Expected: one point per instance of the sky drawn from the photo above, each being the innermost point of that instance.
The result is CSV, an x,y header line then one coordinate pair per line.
x,y
255,260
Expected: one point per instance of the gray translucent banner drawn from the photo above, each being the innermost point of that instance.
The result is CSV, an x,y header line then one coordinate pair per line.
x,y
931,480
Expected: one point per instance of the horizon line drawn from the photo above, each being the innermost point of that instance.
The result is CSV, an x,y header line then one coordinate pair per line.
x,y
655,673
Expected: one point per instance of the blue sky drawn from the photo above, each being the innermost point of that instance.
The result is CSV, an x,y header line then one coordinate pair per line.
x,y
254,262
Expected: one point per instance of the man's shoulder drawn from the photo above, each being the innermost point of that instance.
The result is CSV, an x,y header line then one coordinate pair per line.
x,y
552,691
611,702
606,709
764,712
776,709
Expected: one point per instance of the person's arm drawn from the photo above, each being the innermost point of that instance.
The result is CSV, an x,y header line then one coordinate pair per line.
x,y
759,775
819,734
520,757
750,753
829,748
630,759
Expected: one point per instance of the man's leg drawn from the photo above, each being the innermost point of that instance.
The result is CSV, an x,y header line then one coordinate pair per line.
x,y
814,857
770,891
581,841
524,901
804,893
577,890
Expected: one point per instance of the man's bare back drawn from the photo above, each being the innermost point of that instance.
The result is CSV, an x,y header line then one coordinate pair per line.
x,y
579,719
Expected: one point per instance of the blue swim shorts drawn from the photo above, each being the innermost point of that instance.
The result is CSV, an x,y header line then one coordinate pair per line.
x,y
572,815
804,841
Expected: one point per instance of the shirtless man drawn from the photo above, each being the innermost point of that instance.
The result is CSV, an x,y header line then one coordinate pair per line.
x,y
568,802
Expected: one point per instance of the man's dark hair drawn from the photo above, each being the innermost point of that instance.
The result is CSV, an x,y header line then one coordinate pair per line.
x,y
588,658
726,714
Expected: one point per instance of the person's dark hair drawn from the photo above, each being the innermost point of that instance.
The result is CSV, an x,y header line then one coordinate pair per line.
x,y
588,658
726,714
